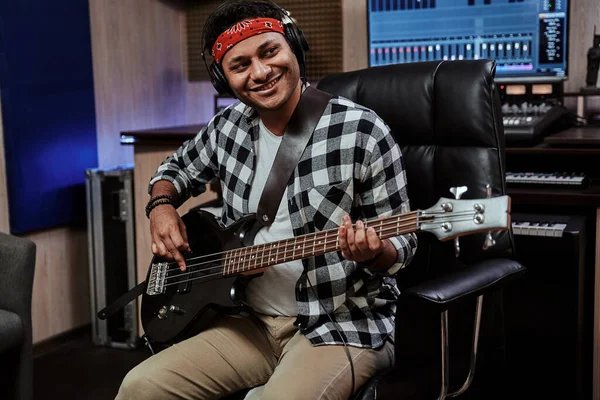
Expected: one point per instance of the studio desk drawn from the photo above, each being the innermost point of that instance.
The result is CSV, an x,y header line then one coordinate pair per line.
x,y
552,316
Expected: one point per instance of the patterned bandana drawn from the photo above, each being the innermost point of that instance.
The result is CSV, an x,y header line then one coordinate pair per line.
x,y
241,31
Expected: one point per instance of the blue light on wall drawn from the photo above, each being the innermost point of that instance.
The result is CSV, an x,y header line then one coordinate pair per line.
x,y
47,90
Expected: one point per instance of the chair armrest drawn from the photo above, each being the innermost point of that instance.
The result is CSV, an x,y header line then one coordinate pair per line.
x,y
471,281
12,332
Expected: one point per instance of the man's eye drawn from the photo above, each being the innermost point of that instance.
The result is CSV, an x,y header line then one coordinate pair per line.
x,y
272,50
240,66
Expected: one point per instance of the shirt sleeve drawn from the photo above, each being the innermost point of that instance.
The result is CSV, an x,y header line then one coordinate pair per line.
x,y
192,166
383,180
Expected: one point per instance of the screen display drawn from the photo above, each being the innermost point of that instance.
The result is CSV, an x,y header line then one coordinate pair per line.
x,y
527,38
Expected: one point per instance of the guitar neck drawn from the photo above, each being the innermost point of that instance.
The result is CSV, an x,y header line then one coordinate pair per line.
x,y
253,259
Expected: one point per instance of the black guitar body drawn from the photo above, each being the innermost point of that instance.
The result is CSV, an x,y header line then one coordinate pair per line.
x,y
187,308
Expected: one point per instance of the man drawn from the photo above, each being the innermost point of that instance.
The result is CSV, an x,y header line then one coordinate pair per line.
x,y
323,323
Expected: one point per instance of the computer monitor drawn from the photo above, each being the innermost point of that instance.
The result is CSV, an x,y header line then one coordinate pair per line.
x,y
527,38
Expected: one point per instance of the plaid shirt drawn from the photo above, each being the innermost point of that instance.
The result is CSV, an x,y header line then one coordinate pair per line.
x,y
351,166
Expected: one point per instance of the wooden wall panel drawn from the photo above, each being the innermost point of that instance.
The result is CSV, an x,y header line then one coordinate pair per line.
x,y
584,15
140,77
355,43
61,293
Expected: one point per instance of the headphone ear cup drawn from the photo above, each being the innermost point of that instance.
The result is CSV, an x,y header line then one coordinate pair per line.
x,y
298,43
218,80
298,38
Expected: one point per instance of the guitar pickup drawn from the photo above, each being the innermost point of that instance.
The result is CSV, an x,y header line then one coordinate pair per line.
x,y
185,284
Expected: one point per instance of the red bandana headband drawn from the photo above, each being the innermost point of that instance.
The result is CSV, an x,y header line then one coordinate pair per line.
x,y
241,31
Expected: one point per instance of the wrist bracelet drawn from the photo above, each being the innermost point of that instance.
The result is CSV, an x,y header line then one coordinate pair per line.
x,y
157,203
156,198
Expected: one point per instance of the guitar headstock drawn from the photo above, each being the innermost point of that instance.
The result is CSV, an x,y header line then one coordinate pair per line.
x,y
451,218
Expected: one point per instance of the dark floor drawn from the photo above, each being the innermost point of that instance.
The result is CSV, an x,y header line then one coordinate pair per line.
x,y
79,370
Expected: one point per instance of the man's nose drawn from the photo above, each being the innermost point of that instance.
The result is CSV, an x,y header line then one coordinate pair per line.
x,y
260,71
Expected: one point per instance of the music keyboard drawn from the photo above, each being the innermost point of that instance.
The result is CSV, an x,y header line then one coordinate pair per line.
x,y
525,224
541,178
538,228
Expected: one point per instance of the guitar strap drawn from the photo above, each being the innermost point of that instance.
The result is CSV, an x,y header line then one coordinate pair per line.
x,y
302,123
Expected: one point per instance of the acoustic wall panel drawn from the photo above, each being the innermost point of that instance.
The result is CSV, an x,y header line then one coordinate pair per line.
x,y
48,111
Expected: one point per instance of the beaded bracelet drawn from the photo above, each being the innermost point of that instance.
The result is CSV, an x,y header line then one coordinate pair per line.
x,y
155,198
157,203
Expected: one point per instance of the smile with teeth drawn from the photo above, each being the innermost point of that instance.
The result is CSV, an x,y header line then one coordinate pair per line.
x,y
268,85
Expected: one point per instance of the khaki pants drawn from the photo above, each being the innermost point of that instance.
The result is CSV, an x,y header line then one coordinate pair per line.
x,y
238,353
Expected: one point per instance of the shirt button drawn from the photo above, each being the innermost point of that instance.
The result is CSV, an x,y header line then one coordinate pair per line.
x,y
265,218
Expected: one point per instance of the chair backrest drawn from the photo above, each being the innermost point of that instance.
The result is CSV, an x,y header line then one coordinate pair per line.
x,y
446,117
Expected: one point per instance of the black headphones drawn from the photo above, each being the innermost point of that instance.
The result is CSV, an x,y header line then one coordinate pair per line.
x,y
292,33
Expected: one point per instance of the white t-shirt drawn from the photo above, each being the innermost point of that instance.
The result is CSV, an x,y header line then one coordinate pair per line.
x,y
273,293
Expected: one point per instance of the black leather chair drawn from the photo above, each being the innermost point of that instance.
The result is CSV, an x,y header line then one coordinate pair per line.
x,y
447,119
17,264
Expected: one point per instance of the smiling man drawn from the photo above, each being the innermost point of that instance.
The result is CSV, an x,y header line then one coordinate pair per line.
x,y
320,324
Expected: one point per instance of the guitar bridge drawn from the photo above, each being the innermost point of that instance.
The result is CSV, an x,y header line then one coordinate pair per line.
x,y
156,279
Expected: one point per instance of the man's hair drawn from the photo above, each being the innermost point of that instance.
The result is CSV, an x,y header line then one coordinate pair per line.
x,y
235,11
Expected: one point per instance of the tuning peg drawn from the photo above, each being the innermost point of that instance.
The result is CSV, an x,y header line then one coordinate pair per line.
x,y
489,240
457,191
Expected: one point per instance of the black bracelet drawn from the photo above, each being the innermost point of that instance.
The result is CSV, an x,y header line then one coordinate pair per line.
x,y
155,198
157,203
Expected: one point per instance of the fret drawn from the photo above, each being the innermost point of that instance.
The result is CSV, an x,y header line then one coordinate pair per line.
x,y
231,255
294,249
248,257
225,263
277,254
255,257
287,247
380,228
271,259
304,246
262,257
242,259
284,248
325,243
397,226
232,262
314,243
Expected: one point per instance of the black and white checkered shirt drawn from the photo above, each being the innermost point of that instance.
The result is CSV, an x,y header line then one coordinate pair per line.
x,y
351,166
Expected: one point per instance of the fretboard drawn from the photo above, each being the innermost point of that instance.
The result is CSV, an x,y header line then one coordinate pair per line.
x,y
265,255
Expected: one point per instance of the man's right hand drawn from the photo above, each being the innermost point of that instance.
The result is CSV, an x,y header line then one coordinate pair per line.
x,y
169,235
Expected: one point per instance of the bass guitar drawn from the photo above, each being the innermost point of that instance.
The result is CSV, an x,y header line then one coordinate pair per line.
x,y
175,303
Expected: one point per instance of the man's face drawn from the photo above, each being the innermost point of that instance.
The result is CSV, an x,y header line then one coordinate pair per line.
x,y
262,71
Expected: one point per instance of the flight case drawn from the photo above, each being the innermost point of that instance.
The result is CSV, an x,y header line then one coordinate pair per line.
x,y
111,247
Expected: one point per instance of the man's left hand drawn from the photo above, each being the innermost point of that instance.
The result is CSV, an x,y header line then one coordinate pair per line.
x,y
357,243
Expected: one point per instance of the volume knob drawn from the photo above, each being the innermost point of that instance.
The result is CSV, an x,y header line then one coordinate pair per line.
x,y
177,310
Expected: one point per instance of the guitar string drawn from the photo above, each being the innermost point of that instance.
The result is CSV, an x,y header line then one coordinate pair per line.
x,y
386,227
220,267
